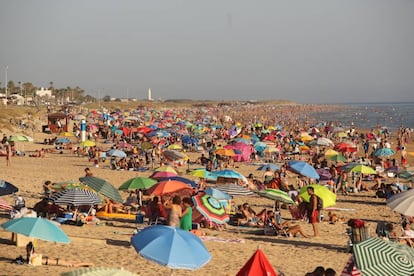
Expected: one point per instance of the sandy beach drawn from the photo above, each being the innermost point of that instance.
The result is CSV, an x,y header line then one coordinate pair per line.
x,y
108,244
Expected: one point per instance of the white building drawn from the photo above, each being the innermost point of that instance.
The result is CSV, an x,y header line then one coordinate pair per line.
x,y
44,92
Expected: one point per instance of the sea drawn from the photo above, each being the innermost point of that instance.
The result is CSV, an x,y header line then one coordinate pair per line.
x,y
370,115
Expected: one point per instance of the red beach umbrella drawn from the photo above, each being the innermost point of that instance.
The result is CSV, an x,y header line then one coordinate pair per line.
x,y
258,264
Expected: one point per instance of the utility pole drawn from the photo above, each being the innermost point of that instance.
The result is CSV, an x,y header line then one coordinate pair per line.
x,y
5,73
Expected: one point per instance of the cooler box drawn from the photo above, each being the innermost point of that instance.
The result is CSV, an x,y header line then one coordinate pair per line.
x,y
139,218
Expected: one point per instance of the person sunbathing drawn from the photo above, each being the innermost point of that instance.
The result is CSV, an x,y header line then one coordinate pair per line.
x,y
30,254
284,226
250,218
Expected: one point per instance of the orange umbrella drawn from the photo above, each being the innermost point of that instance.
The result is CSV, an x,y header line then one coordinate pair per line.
x,y
225,152
168,187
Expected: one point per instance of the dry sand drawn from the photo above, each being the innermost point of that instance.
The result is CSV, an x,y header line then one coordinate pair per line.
x,y
108,246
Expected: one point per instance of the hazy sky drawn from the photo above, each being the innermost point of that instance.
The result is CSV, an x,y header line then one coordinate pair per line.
x,y
306,51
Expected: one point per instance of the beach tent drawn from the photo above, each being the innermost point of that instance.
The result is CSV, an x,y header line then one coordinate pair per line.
x,y
258,264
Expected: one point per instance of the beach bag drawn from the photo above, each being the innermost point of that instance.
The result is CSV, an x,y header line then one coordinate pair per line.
x,y
319,205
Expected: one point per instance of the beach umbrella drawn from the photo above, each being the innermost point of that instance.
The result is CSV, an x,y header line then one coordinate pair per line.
x,y
5,205
234,189
337,158
171,247
225,152
210,208
258,264
99,271
272,167
102,186
38,228
66,134
137,183
217,194
116,153
166,169
228,174
168,187
362,169
324,174
62,140
7,188
146,145
202,173
345,147
376,256
175,147
276,194
323,141
187,181
76,197
18,138
160,175
383,152
260,146
303,168
402,203
327,196
87,143
173,155
331,152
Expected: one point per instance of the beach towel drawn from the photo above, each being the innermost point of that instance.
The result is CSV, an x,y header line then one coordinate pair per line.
x,y
224,240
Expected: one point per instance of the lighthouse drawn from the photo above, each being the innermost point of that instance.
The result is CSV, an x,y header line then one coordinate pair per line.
x,y
149,94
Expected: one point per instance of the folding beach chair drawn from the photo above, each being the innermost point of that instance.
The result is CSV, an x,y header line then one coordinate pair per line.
x,y
296,213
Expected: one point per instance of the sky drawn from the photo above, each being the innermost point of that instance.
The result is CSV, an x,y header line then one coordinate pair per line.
x,y
304,51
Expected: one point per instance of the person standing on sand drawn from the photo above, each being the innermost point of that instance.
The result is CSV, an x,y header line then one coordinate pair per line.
x,y
8,154
313,213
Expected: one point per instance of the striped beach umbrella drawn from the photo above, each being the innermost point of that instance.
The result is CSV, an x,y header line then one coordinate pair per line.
x,y
234,189
376,256
102,186
210,208
277,195
76,197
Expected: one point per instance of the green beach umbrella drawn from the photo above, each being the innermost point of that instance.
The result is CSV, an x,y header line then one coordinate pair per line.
x,y
277,195
376,256
337,158
138,183
362,169
328,197
102,186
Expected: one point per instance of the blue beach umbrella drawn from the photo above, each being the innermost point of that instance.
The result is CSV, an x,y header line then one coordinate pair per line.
x,y
38,228
228,174
384,152
171,247
217,194
303,168
62,140
272,167
116,153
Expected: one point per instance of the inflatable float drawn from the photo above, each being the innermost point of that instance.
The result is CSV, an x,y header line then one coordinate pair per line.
x,y
103,214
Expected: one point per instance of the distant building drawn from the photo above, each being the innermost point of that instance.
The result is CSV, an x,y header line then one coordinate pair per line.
x,y
149,94
44,92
